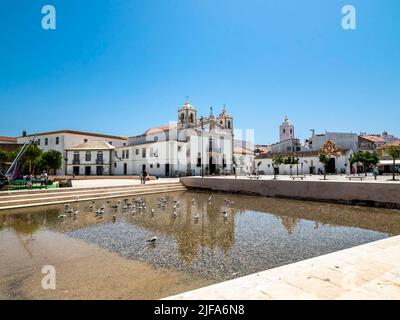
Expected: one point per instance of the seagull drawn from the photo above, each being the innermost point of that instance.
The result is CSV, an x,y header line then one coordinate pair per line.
x,y
91,207
114,218
231,203
152,240
61,216
196,217
76,213
66,206
193,200
174,215
133,212
209,199
152,211
226,215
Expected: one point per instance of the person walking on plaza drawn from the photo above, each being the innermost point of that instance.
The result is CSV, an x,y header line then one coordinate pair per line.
x,y
376,172
143,177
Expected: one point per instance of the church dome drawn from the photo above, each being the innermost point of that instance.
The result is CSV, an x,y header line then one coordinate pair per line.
x,y
224,113
187,105
287,121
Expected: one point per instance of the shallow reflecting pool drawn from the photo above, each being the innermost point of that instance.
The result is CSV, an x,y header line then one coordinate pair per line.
x,y
202,238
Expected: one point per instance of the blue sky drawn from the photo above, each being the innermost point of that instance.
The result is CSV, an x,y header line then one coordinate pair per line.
x,y
119,67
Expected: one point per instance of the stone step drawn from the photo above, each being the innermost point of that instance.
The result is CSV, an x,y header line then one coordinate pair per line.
x,y
73,196
79,191
54,201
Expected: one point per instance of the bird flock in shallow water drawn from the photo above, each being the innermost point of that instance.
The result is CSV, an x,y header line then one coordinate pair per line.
x,y
138,205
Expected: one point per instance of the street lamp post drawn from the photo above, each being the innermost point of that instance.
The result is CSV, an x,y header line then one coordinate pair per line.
x,y
202,130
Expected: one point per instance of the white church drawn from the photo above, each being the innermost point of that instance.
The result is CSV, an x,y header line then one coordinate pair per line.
x,y
188,146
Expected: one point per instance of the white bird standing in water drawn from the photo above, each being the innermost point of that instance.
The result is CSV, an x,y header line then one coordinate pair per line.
x,y
226,215
209,199
196,217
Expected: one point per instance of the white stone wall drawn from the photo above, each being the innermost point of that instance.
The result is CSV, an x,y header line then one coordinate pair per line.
x,y
92,163
267,168
67,141
341,139
181,156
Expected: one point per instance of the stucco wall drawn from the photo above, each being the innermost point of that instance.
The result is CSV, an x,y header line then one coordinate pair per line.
x,y
371,194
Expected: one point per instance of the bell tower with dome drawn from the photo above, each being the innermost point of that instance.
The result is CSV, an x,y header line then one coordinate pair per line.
x,y
286,130
226,119
187,115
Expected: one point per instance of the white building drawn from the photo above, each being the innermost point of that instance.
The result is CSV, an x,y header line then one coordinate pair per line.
x,y
342,140
90,158
308,163
186,147
287,141
66,139
244,160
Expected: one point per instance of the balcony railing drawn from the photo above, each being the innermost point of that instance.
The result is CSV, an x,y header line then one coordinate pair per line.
x,y
76,161
99,161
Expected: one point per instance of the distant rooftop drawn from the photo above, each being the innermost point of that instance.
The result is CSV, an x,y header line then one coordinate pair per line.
x,y
93,145
82,133
373,138
160,129
8,139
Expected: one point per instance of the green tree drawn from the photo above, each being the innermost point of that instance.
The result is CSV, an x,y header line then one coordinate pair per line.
x,y
392,151
291,161
367,159
51,161
327,151
276,162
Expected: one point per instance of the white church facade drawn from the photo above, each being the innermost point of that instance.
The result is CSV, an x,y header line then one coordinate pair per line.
x,y
189,146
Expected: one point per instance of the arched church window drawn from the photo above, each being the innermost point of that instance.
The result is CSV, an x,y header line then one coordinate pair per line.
x,y
191,118
229,125
155,139
291,131
284,131
181,117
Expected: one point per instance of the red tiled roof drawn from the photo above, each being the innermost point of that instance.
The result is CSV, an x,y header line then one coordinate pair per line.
x,y
263,148
394,143
241,150
373,138
8,139
160,129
